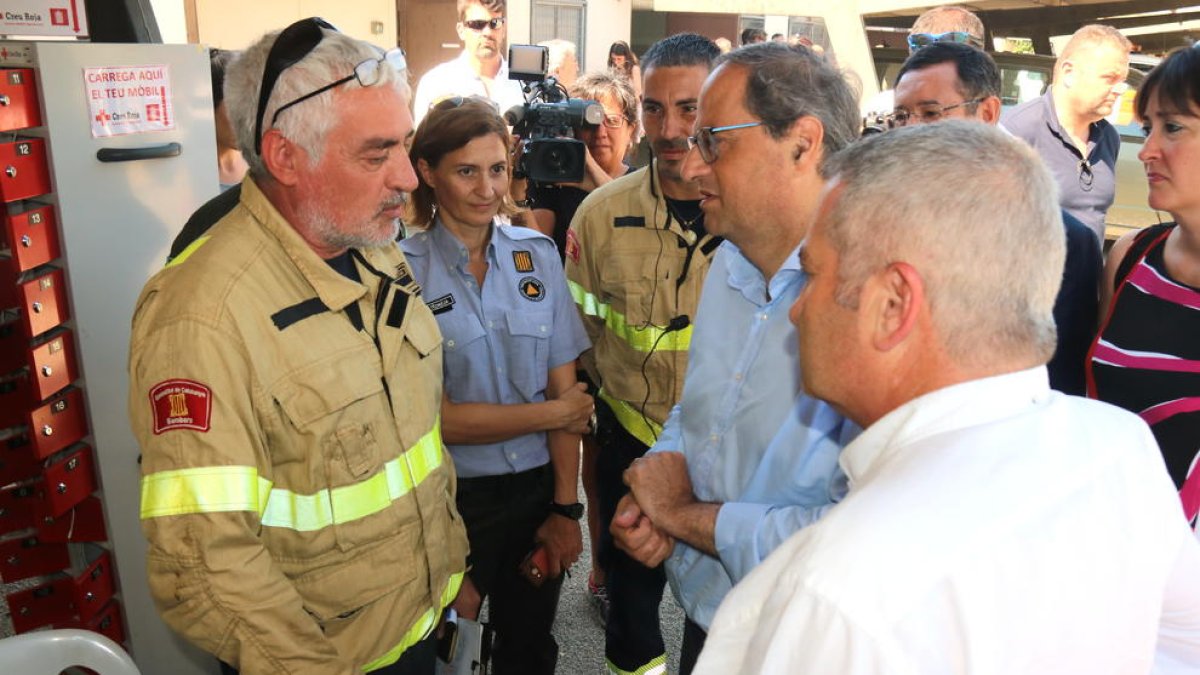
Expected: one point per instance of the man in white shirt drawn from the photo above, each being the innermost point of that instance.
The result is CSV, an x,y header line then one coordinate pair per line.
x,y
481,69
992,525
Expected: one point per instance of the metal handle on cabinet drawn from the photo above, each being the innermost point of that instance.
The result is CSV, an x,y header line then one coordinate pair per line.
x,y
137,154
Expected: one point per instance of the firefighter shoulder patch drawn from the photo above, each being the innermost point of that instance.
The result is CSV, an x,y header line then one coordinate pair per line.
x,y
181,404
572,246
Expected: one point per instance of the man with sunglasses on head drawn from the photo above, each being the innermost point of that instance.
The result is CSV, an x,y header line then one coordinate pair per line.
x,y
481,69
952,81
745,458
285,383
948,23
637,255
1067,124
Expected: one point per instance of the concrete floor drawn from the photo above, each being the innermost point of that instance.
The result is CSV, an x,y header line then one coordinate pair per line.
x,y
577,628
580,636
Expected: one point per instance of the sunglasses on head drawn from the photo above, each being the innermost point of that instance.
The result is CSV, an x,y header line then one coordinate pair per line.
x,y
451,102
919,40
293,44
478,25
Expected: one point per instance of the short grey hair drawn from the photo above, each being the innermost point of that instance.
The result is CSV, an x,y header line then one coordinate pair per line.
x,y
950,18
558,50
785,83
976,212
612,83
1093,35
306,124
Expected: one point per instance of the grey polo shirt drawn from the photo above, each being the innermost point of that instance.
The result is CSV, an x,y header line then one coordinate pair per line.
x,y
1086,188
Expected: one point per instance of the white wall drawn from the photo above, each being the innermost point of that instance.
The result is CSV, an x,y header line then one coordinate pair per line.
x,y
172,21
607,22
234,24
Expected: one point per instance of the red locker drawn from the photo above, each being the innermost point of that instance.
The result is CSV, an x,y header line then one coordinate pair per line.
x,y
57,424
44,605
52,364
71,598
12,346
18,99
67,481
18,504
32,237
107,622
17,463
29,556
16,397
94,586
23,170
43,302
85,522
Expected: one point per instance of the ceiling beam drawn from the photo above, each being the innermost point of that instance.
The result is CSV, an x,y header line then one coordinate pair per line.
x,y
1070,14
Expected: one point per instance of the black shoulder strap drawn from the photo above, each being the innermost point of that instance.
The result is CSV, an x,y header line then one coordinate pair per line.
x,y
1142,241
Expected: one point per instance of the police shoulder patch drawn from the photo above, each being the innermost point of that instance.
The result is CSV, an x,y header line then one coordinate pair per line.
x,y
181,404
532,289
523,260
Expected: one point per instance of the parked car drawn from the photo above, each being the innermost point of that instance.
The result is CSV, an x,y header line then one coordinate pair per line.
x,y
1026,76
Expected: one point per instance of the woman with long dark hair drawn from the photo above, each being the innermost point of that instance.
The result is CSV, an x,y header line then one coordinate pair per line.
x,y
622,59
1147,356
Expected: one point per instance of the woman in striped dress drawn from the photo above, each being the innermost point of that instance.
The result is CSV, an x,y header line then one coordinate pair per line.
x,y
1146,357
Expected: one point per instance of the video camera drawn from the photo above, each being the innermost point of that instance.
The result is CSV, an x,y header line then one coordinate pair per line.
x,y
550,121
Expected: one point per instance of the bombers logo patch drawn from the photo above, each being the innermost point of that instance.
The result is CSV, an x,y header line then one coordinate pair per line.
x,y
532,289
572,246
523,261
180,404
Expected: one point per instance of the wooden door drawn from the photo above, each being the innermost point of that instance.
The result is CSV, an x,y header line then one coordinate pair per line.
x,y
427,33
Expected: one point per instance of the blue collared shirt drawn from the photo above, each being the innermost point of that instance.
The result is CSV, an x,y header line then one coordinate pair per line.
x,y
500,341
754,441
1082,193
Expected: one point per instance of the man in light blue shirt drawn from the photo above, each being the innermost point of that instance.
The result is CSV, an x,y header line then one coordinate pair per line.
x,y
745,458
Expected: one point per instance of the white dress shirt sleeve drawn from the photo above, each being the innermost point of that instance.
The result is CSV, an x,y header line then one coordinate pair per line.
x,y
1178,649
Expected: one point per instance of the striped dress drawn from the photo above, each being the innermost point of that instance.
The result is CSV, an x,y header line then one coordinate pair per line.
x,y
1146,358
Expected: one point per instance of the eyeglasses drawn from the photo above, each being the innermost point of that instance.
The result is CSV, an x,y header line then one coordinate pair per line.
x,y
919,40
926,115
614,121
706,142
478,25
368,73
292,44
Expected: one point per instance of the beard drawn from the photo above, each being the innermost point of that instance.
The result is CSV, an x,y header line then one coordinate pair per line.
x,y
362,234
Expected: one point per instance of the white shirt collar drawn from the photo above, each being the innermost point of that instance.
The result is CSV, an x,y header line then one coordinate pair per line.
x,y
948,409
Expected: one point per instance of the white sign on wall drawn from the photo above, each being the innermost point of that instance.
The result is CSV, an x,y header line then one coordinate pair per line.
x,y
65,18
129,99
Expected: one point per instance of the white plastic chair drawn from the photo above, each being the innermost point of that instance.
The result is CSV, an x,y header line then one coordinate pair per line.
x,y
49,652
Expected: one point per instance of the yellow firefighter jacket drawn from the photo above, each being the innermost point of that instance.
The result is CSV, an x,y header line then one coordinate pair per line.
x,y
296,496
636,275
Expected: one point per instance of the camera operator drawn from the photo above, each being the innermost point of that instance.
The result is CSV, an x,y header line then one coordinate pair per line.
x,y
554,205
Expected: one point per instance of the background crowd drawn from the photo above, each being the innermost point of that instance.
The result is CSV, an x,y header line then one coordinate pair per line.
x,y
832,390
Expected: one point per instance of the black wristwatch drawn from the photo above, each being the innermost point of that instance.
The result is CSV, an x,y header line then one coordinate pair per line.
x,y
572,511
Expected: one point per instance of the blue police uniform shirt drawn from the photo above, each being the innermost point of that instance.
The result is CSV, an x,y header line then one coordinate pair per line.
x,y
754,441
500,341
1086,188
